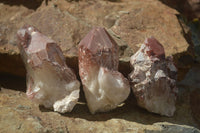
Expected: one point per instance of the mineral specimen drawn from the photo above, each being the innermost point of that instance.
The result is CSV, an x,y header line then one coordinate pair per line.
x,y
154,78
104,87
49,80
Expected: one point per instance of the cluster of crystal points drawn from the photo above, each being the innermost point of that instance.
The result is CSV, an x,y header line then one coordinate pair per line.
x,y
154,78
104,87
49,80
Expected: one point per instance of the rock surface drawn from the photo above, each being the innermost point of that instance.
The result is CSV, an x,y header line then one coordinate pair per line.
x,y
18,114
189,8
50,82
194,102
154,78
146,20
104,87
129,21
191,84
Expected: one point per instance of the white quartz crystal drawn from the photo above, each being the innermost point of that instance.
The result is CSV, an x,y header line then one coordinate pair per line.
x,y
50,82
104,87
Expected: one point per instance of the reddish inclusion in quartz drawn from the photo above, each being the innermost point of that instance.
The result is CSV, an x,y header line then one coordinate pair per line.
x,y
97,39
156,49
103,85
154,78
101,47
50,82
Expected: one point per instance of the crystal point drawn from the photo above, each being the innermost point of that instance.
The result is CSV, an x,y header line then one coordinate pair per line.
x,y
103,85
154,78
155,48
50,82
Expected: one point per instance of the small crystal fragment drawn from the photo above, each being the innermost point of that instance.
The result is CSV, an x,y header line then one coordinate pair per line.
x,y
154,78
50,82
104,87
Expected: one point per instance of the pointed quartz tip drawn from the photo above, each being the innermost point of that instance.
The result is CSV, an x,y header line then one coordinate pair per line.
x,y
32,40
24,35
155,48
26,29
97,39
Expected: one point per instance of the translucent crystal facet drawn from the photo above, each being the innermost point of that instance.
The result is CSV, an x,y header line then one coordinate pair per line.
x,y
50,82
103,85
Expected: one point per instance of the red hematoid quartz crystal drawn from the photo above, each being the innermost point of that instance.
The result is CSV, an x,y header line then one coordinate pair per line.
x,y
154,78
103,85
49,80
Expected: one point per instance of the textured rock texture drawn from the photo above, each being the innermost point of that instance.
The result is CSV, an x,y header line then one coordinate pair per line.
x,y
194,101
154,78
104,87
18,114
146,20
50,82
129,21
191,85
189,8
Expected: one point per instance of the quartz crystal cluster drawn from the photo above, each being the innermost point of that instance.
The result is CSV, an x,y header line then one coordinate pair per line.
x,y
104,87
50,82
154,78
